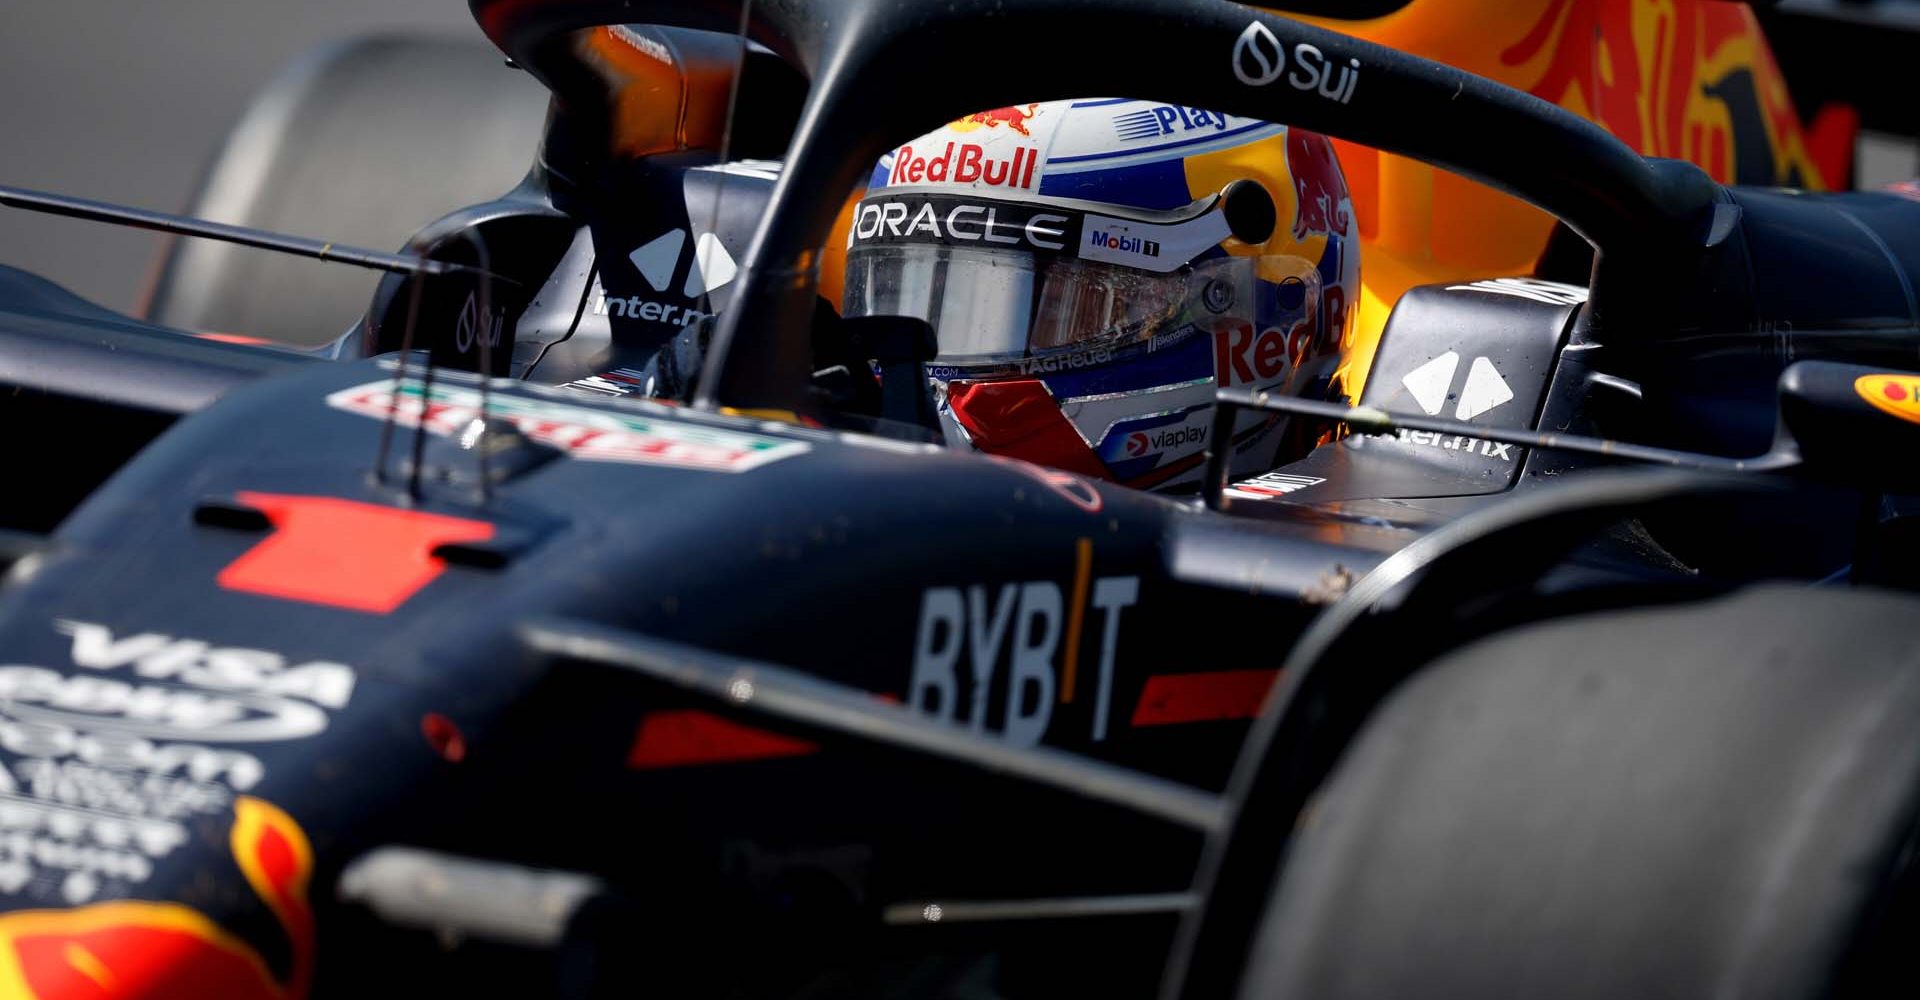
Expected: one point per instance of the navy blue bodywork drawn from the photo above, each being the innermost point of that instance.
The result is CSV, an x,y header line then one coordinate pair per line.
x,y
840,559
289,601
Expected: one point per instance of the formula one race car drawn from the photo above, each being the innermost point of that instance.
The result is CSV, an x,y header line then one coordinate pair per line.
x,y
1574,660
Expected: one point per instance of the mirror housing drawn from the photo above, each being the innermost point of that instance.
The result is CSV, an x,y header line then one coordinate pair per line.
x,y
1853,424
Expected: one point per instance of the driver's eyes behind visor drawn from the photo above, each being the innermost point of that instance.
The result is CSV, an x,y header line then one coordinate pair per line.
x,y
1081,302
1003,280
1005,306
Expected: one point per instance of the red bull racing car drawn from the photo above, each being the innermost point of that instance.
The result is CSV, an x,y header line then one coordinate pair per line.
x,y
669,586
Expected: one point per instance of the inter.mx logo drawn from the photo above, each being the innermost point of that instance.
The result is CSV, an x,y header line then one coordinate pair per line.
x,y
1484,389
709,268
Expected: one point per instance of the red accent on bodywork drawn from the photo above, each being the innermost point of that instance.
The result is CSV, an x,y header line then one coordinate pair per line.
x,y
1166,472
444,737
237,338
139,950
130,960
1831,139
686,738
345,554
1019,419
1170,699
277,859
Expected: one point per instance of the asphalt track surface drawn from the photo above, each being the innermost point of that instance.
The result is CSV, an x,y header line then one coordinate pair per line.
x,y
127,100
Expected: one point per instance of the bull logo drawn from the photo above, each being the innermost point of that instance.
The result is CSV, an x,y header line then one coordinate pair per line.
x,y
1324,205
1015,119
1694,81
134,948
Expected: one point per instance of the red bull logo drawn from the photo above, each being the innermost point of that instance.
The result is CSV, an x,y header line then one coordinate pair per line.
x,y
1015,119
131,948
1321,187
965,163
1245,358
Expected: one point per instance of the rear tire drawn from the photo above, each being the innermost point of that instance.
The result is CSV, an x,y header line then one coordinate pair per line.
x,y
1716,799
361,143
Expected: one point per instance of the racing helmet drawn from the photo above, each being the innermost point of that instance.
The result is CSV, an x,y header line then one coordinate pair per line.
x,y
1093,269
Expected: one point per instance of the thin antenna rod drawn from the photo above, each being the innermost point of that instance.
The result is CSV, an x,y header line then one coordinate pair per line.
x,y
483,332
140,218
420,429
399,385
1006,910
1371,420
720,186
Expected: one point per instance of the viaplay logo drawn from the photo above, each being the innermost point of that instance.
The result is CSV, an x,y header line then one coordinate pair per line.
x,y
1139,443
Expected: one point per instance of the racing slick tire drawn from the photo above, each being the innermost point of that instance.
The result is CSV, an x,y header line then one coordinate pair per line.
x,y
360,142
1715,799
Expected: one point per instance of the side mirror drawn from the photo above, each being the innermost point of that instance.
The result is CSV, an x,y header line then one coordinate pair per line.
x,y
1854,424
901,346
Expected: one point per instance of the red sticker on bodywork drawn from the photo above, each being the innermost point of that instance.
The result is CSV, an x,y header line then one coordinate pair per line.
x,y
345,554
690,737
1169,699
237,338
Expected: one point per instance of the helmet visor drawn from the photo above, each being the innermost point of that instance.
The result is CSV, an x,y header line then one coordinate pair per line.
x,y
1003,280
1003,305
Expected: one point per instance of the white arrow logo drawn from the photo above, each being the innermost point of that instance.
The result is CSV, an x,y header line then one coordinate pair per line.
x,y
712,267
710,259
658,259
1485,389
1430,381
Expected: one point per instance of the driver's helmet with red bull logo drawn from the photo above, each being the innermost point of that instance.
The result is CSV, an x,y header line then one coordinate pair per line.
x,y
1095,268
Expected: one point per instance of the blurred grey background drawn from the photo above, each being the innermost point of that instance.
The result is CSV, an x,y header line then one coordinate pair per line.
x,y
127,101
